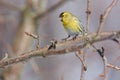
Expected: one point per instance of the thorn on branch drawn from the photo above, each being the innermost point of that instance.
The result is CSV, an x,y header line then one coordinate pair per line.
x,y
53,44
88,12
100,51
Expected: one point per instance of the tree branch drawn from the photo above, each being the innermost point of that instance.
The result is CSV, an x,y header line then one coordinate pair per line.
x,y
112,66
105,14
88,12
62,47
105,67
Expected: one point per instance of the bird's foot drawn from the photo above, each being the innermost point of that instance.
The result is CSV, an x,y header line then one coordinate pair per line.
x,y
64,39
75,37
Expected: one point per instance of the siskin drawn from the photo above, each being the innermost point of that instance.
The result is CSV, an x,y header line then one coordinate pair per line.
x,y
71,24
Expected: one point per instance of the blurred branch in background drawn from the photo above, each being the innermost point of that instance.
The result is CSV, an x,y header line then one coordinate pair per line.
x,y
39,14
22,42
10,6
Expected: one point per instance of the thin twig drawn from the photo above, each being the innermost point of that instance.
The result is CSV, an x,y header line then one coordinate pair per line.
x,y
112,66
105,67
82,76
104,15
34,37
84,67
63,47
31,35
83,63
88,15
101,53
40,15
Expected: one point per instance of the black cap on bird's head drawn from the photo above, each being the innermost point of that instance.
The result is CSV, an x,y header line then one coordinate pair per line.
x,y
65,14
61,15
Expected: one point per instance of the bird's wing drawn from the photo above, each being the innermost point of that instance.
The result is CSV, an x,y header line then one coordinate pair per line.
x,y
81,27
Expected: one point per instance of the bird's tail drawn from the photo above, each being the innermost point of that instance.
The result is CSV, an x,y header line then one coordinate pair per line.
x,y
84,32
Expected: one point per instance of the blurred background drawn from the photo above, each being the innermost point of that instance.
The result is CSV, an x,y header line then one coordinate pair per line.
x,y
19,16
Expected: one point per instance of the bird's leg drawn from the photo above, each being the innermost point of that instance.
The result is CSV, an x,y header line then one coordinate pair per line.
x,y
75,37
66,37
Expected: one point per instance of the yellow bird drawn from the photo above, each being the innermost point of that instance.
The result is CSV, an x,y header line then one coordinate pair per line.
x,y
71,24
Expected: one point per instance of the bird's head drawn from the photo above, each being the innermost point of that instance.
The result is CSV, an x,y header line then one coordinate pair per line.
x,y
65,15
